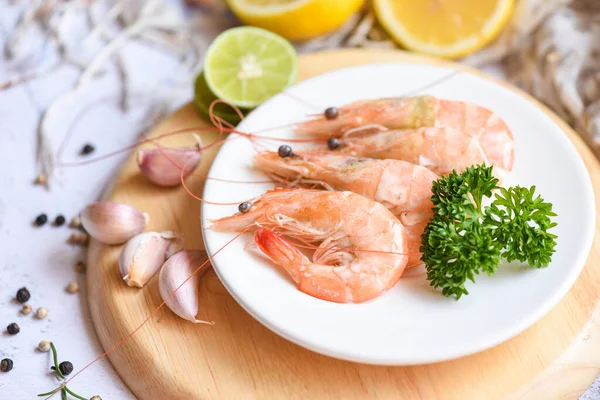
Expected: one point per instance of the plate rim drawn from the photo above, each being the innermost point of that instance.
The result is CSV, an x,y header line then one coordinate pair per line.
x,y
524,323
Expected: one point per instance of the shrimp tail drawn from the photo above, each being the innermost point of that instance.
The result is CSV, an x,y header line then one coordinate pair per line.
x,y
314,279
280,251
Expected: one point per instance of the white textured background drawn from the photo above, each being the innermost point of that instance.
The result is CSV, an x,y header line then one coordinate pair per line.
x,y
40,258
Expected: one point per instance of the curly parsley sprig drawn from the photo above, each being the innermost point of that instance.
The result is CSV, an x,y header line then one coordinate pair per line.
x,y
464,238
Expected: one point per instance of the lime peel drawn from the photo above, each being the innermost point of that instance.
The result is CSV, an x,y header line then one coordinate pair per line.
x,y
203,98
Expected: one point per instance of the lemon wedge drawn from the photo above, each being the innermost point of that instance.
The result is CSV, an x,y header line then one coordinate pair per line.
x,y
444,28
295,19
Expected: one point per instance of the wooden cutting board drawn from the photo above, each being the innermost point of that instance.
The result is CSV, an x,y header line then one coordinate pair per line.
x,y
238,358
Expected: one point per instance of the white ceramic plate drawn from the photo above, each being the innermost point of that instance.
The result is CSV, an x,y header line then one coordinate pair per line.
x,y
411,323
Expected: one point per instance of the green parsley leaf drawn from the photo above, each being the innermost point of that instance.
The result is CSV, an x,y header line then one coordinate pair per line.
x,y
521,224
464,239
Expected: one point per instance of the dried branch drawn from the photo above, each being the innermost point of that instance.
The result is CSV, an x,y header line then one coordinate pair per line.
x,y
123,79
99,28
23,24
17,80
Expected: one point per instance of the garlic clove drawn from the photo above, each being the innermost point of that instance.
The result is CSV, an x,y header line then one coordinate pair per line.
x,y
183,300
163,166
144,254
176,243
111,222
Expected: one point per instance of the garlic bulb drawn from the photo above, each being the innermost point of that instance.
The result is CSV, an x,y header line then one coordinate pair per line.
x,y
163,166
111,222
144,254
183,300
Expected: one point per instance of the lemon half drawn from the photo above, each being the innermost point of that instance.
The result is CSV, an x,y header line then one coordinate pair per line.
x,y
444,28
295,19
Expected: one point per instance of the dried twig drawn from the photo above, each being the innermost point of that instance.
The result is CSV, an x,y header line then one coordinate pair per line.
x,y
123,79
99,28
107,52
361,32
23,24
19,79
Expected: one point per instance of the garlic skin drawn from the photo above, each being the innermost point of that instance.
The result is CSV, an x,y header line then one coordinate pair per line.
x,y
145,253
174,272
163,166
113,223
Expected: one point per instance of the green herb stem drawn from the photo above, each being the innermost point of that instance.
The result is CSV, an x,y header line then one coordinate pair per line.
x,y
63,388
74,394
50,392
55,356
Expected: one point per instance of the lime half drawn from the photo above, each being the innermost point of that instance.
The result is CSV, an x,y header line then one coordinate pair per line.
x,y
203,98
246,66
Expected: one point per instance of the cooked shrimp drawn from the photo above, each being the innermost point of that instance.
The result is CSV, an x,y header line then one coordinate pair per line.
x,y
402,187
406,113
453,134
439,149
362,244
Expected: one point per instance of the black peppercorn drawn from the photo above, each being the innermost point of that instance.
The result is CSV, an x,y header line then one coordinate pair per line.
x,y
65,368
87,149
332,113
6,365
23,295
13,329
41,219
284,151
333,143
59,220
244,207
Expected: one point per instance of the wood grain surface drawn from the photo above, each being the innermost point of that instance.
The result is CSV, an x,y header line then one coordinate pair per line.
x,y
238,358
